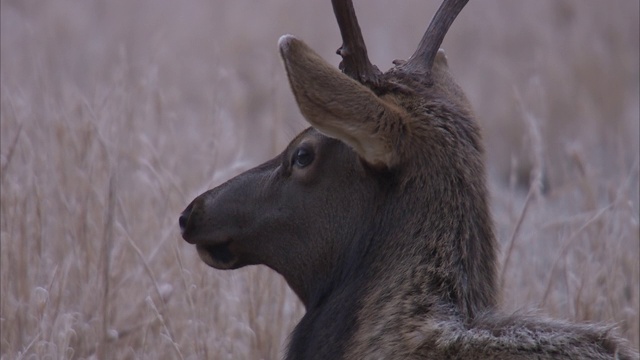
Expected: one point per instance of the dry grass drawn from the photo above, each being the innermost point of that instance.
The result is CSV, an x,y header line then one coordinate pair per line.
x,y
115,114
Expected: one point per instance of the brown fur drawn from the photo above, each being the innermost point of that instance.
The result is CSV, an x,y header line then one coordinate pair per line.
x,y
385,235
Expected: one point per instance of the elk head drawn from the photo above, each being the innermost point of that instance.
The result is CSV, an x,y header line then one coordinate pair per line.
x,y
388,181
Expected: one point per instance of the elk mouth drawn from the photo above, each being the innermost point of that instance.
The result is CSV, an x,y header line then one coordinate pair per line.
x,y
218,256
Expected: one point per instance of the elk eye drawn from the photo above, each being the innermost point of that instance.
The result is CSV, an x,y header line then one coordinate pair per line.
x,y
302,157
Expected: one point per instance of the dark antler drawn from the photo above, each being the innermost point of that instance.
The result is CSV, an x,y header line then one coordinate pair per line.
x,y
424,56
355,62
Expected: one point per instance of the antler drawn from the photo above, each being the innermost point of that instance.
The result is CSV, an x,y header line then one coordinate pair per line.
x,y
355,62
425,54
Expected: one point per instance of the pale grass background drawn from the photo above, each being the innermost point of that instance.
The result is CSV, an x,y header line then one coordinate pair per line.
x,y
115,114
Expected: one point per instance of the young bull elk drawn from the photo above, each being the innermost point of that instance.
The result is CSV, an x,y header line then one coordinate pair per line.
x,y
377,216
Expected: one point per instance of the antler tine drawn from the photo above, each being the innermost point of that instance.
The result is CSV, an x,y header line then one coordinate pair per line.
x,y
425,54
355,62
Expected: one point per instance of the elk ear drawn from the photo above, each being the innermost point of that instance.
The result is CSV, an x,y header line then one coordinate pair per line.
x,y
340,107
445,84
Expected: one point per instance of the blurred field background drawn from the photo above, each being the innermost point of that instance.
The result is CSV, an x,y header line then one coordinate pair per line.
x,y
115,114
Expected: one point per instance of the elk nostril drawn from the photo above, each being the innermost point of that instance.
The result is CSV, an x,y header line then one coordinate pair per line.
x,y
184,220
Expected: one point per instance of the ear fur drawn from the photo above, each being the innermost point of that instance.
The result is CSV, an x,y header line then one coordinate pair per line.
x,y
340,107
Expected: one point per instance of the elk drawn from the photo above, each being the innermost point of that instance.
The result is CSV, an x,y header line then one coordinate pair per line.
x,y
377,216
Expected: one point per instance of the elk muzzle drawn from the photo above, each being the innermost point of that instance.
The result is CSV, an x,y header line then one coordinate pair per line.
x,y
215,248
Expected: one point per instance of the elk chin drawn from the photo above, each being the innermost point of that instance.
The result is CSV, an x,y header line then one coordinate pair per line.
x,y
218,256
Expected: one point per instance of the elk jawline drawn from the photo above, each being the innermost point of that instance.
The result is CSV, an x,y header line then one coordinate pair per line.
x,y
217,256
